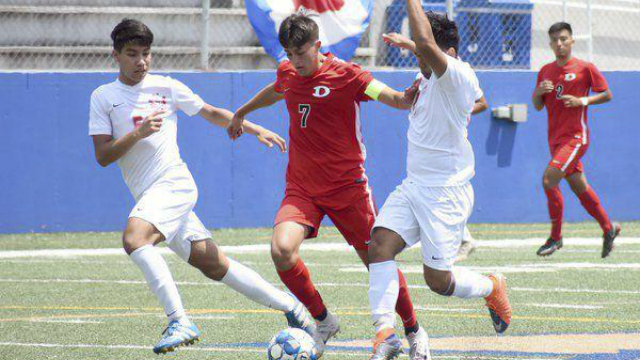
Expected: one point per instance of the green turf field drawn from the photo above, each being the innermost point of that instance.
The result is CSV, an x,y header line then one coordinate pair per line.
x,y
572,305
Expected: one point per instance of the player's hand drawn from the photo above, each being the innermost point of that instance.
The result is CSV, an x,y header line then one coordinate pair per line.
x,y
544,87
398,41
151,124
411,92
270,138
234,128
571,101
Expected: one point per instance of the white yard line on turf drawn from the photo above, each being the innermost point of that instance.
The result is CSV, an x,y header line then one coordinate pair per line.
x,y
67,321
324,247
321,284
221,348
542,267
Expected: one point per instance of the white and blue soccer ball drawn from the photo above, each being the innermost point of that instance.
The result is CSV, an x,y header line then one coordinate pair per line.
x,y
292,344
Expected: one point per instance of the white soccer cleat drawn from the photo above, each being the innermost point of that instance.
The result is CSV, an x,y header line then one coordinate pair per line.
x,y
298,318
325,330
419,345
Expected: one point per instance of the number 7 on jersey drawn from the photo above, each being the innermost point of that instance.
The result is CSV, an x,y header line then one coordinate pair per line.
x,y
304,109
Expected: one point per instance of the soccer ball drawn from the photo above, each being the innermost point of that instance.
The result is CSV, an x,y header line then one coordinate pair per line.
x,y
292,344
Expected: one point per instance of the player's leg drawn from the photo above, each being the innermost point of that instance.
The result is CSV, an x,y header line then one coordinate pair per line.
x,y
591,202
442,214
355,223
285,246
193,244
158,216
395,228
298,219
553,174
139,239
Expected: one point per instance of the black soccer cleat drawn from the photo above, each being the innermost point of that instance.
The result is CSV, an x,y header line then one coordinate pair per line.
x,y
550,247
608,238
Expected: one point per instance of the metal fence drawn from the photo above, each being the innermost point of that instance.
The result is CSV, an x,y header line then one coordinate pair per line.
x,y
216,35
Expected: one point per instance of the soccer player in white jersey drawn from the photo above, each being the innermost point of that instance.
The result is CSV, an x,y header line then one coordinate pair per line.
x,y
433,203
133,121
468,244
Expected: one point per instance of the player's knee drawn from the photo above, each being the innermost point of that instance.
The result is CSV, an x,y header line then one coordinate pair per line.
x,y
283,254
212,269
378,252
546,182
438,284
131,241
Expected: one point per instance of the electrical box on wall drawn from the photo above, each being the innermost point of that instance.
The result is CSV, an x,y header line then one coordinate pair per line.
x,y
512,112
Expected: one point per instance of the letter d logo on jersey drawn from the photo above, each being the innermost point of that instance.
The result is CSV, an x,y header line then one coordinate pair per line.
x,y
569,77
321,91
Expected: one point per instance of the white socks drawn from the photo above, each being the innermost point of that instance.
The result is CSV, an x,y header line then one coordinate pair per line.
x,y
247,282
384,288
160,281
470,284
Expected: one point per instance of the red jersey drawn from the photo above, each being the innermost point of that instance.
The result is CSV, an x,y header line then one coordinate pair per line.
x,y
575,78
326,152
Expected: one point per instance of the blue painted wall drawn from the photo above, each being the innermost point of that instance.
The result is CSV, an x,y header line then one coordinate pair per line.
x,y
51,182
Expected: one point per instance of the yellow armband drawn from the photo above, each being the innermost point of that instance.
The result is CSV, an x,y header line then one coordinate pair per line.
x,y
374,89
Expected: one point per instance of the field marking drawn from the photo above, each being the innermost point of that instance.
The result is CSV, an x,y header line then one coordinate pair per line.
x,y
259,348
62,321
552,290
321,284
69,316
564,306
434,313
542,267
324,247
210,348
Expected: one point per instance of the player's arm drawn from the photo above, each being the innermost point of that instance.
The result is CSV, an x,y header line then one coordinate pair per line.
x,y
543,88
109,150
595,99
379,91
223,117
399,41
265,97
426,45
479,106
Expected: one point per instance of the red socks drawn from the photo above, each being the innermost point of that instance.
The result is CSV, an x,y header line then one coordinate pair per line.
x,y
404,306
591,203
555,204
298,281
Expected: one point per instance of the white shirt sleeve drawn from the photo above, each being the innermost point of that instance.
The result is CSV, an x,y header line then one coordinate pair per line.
x,y
185,99
99,120
478,90
457,77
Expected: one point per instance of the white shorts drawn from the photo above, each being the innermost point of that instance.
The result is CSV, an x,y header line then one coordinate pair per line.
x,y
168,205
434,216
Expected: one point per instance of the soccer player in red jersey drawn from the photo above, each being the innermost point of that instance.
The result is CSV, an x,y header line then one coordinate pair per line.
x,y
325,174
563,88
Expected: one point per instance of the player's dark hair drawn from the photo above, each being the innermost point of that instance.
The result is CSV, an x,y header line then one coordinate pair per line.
x,y
298,30
131,31
445,31
559,26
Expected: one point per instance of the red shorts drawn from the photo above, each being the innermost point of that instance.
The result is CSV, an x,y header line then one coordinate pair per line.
x,y
566,156
352,211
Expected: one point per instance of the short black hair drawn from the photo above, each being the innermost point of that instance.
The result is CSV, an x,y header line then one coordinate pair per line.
x,y
298,30
445,31
131,31
559,26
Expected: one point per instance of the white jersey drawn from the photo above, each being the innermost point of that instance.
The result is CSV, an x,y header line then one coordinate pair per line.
x,y
439,153
116,109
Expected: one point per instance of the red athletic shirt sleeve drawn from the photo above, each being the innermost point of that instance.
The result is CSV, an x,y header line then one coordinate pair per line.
x,y
598,82
282,76
362,81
